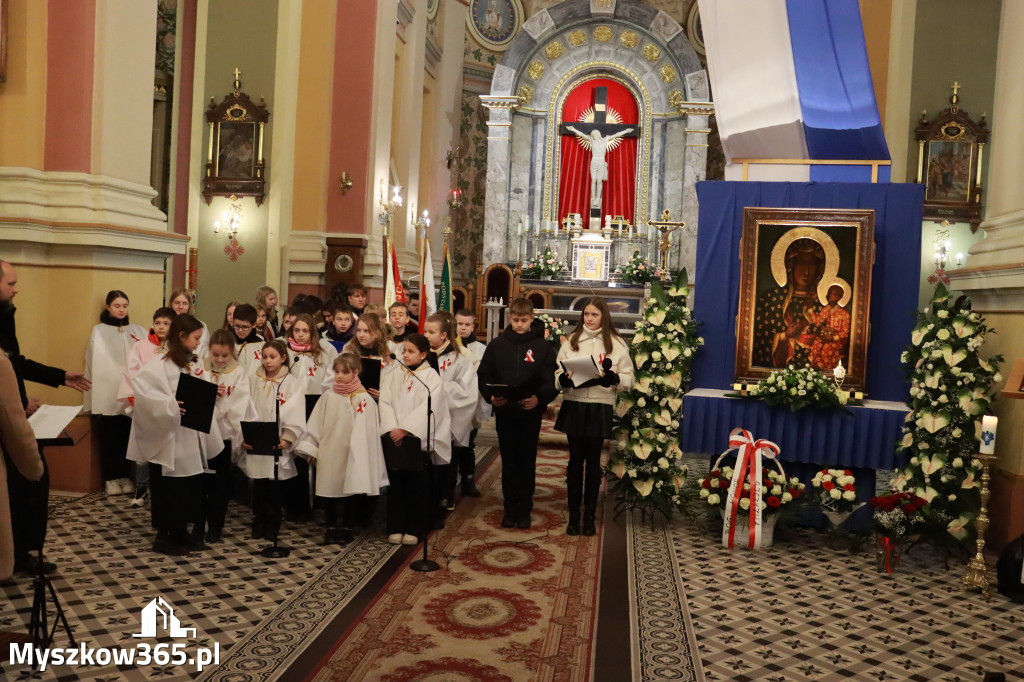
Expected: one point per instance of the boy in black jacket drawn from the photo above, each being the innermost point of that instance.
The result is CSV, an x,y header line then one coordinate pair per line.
x,y
522,359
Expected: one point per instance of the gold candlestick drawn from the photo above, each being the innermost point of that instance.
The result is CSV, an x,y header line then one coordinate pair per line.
x,y
977,575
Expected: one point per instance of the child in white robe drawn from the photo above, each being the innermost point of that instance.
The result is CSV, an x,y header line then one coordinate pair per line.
x,y
342,439
403,412
158,437
106,359
249,344
458,374
232,406
276,396
309,361
182,301
140,355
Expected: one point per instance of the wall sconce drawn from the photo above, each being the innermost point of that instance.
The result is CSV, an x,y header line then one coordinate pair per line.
x,y
942,245
345,182
231,219
455,201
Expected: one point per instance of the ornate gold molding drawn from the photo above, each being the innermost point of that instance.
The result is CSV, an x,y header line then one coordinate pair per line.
x,y
602,34
651,52
502,101
535,70
554,50
578,37
668,73
525,93
675,99
628,39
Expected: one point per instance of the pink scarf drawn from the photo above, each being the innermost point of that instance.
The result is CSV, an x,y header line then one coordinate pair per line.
x,y
349,387
299,348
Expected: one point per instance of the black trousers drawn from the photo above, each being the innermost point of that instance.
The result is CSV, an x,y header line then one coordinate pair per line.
x,y
463,463
176,501
296,491
266,506
583,488
407,502
29,508
341,512
110,438
216,492
518,433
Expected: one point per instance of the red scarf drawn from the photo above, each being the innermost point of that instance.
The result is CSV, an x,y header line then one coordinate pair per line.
x,y
348,387
299,348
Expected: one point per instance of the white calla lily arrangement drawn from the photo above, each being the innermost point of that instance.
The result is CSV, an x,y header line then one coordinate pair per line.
x,y
645,463
951,388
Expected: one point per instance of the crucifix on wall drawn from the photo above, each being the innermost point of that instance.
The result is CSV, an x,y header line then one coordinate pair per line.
x,y
600,131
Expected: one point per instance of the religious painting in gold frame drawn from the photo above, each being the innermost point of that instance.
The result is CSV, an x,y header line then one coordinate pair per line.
x,y
805,291
234,162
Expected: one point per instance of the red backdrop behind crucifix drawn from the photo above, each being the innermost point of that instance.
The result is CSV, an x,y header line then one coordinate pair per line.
x,y
574,172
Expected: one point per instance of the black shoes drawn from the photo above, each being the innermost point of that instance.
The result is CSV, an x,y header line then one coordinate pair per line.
x,y
574,524
589,526
524,521
30,565
508,520
469,488
165,543
214,536
337,536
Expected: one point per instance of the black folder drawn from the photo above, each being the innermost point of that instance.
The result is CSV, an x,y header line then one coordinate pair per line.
x,y
369,376
311,403
262,436
509,393
406,456
198,398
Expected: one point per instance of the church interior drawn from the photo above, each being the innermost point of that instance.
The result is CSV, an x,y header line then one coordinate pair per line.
x,y
812,191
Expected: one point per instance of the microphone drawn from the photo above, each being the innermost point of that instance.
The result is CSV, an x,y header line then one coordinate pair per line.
x,y
606,364
412,372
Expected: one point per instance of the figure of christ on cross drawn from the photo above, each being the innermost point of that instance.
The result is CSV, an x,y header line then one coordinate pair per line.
x,y
600,137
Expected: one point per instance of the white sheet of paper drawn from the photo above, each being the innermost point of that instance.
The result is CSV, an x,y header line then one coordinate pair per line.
x,y
50,420
582,369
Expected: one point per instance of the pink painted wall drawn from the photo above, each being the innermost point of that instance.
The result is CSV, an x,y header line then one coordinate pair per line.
x,y
186,62
70,46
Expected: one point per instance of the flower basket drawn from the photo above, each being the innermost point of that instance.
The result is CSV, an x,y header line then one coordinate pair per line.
x,y
638,270
767,527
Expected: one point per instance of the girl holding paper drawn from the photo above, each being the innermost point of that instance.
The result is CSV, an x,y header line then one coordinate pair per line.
x,y
586,414
158,437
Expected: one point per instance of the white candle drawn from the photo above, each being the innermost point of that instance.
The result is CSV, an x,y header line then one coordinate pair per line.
x,y
630,231
608,222
988,434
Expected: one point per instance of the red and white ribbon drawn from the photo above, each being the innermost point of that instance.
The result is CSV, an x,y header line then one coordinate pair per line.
x,y
748,468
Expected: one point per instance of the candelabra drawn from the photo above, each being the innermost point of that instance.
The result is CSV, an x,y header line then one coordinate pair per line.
x,y
389,206
976,577
232,218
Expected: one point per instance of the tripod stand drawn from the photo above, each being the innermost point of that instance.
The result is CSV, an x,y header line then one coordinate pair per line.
x,y
39,628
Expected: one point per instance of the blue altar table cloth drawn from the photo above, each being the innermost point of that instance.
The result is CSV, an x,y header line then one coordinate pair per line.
x,y
867,439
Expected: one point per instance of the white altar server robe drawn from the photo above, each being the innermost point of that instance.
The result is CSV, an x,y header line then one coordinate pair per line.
x,y
157,435
232,407
403,405
316,375
269,399
342,436
106,359
462,392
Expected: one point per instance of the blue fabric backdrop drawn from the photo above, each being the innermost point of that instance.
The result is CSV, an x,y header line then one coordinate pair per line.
x,y
895,280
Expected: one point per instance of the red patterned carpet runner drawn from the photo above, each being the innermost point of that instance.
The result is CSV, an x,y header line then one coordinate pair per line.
x,y
506,605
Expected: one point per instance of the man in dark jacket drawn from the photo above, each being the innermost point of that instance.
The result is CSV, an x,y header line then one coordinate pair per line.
x,y
522,360
29,499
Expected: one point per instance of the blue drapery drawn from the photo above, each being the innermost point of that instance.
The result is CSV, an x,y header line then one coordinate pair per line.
x,y
865,438
894,284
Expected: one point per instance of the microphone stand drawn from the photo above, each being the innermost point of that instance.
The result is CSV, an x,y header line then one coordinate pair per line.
x,y
424,565
274,550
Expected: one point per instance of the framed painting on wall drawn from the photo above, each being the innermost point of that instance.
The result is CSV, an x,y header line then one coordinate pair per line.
x,y
235,163
805,288
949,160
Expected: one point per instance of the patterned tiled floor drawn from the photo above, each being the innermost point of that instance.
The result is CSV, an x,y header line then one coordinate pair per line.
x,y
107,573
800,611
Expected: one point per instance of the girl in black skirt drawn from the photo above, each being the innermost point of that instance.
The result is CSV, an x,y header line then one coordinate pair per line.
x,y
586,414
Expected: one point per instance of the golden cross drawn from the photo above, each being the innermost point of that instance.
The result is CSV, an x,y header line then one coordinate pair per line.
x,y
956,86
667,227
237,75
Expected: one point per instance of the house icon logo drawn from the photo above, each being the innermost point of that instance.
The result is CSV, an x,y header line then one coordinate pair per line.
x,y
158,613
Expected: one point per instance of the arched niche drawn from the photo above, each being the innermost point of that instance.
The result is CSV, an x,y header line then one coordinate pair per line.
x,y
629,41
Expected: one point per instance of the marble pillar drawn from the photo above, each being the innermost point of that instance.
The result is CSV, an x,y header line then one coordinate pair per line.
x,y
499,152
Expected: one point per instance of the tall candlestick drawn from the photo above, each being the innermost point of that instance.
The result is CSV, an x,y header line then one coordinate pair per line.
x,y
988,434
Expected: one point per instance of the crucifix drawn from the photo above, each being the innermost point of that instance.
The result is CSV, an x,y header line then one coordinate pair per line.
x,y
238,74
667,227
600,135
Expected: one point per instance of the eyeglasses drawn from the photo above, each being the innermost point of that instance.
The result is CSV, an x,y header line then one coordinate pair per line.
x,y
242,327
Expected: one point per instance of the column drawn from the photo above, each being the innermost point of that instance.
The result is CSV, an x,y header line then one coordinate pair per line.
x,y
499,150
994,278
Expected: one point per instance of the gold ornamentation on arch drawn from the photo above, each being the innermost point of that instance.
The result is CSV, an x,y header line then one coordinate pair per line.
x,y
668,73
578,37
651,52
525,93
554,50
602,34
629,39
535,70
675,99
